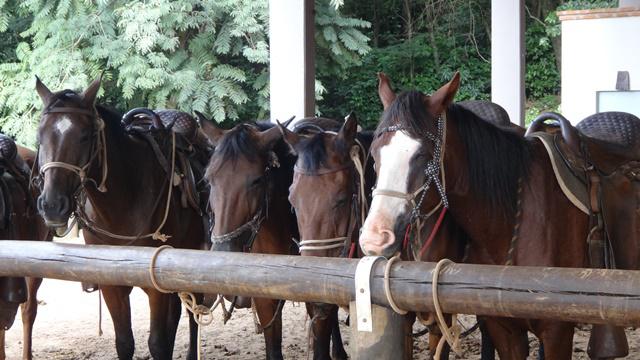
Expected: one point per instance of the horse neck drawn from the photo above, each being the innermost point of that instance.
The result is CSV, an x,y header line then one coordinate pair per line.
x,y
139,179
489,230
281,224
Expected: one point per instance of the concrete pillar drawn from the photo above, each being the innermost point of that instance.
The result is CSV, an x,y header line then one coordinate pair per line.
x,y
291,56
507,57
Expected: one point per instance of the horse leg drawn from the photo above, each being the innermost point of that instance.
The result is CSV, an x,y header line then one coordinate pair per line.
x,y
271,321
29,311
117,300
2,353
509,339
321,328
487,349
557,339
164,316
337,350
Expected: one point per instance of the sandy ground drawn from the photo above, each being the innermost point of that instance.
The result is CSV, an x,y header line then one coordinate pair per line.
x,y
67,328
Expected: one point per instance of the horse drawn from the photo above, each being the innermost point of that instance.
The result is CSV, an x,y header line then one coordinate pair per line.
x,y
432,155
19,220
89,166
331,183
249,174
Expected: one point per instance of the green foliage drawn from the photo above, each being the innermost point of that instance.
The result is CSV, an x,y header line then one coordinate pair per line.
x,y
211,56
553,23
541,75
538,106
424,61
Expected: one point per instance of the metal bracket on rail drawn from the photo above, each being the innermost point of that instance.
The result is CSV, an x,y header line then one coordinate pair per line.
x,y
363,292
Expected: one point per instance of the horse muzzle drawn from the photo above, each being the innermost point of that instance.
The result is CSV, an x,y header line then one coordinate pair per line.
x,y
378,242
55,210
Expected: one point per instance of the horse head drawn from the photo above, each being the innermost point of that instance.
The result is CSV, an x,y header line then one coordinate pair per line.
x,y
69,138
325,192
408,153
240,176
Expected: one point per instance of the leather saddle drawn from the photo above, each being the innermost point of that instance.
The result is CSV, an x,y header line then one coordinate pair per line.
x,y
12,164
192,149
597,164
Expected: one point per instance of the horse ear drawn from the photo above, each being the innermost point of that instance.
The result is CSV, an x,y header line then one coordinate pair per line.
x,y
43,91
289,136
384,90
348,131
210,130
268,138
91,92
443,97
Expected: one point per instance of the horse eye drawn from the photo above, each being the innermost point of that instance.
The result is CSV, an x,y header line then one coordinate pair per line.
x,y
257,181
340,202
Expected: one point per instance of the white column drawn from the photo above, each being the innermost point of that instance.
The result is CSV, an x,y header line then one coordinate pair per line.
x,y
507,57
292,65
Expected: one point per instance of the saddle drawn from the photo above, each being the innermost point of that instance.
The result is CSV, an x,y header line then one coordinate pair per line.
x,y
597,164
491,113
11,163
192,149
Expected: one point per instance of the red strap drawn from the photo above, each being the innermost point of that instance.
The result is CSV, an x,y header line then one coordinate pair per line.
x,y
407,235
433,234
352,250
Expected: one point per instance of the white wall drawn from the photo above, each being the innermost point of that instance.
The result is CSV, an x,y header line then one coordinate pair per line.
x,y
593,51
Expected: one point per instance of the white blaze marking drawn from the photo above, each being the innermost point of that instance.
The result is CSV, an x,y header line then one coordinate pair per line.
x,y
395,158
63,125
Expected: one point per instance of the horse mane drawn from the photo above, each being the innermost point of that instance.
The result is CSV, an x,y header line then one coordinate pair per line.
x,y
408,110
497,158
237,142
311,148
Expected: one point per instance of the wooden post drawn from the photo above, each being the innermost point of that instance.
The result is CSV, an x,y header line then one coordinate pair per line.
x,y
385,342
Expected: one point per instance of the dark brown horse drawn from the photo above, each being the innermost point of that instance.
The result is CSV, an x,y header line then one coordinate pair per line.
x,y
249,174
112,182
331,183
496,184
19,220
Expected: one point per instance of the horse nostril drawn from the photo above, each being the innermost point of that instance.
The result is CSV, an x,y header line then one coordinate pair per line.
x,y
41,203
388,237
63,204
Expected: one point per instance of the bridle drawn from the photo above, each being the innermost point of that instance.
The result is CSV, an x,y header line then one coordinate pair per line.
x,y
254,224
434,175
359,204
98,150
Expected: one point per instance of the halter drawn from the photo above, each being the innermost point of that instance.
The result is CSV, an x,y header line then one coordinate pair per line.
x,y
434,175
343,241
256,221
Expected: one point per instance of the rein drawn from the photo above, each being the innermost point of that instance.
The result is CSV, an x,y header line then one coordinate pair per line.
x,y
342,242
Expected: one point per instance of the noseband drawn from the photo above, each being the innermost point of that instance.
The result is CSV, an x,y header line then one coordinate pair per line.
x,y
343,241
434,175
255,223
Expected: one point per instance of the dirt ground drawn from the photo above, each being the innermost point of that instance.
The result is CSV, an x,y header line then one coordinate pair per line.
x,y
67,328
